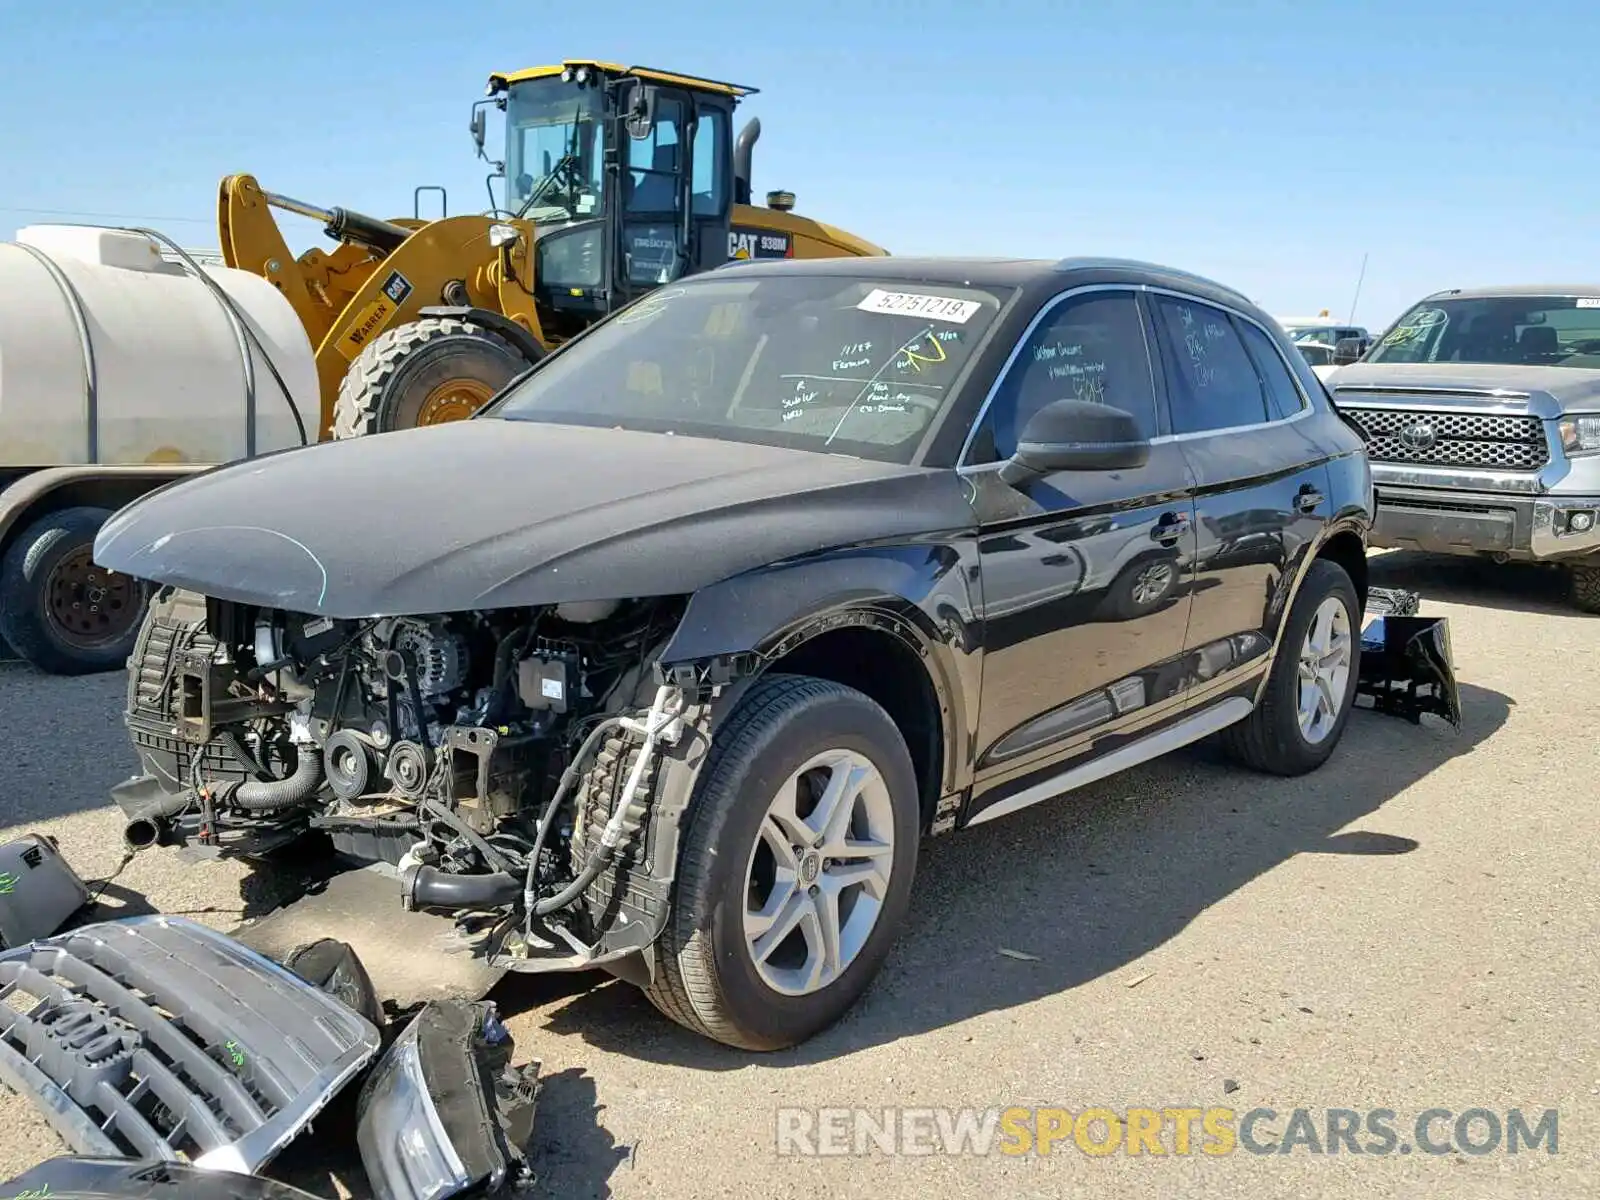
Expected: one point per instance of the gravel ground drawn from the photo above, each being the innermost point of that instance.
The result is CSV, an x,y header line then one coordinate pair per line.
x,y
1412,927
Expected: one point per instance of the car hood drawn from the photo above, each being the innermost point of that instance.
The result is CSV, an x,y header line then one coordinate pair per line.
x,y
492,513
1565,385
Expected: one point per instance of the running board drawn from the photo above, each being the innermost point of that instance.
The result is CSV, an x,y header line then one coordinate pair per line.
x,y
1191,729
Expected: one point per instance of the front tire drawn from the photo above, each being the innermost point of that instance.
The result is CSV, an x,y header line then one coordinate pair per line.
x,y
1583,584
61,611
795,868
426,372
1311,689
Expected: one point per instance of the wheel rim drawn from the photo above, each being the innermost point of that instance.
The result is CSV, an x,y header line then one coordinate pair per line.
x,y
1324,669
1152,583
453,400
818,874
87,606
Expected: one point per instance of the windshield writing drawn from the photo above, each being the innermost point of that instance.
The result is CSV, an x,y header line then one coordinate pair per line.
x,y
553,150
846,366
1551,331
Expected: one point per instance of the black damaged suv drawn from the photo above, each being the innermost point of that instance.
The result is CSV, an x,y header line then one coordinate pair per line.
x,y
667,661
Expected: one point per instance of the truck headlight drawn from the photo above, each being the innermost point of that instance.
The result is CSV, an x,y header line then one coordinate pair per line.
x,y
1580,433
444,1112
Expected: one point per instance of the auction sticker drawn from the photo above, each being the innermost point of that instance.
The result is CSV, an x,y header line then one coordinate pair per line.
x,y
1589,301
919,304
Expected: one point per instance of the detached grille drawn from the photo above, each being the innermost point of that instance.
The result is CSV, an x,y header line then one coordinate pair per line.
x,y
1453,439
157,1038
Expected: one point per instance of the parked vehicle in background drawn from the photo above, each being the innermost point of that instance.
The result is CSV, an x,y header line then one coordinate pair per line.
x,y
669,658
1483,407
1325,343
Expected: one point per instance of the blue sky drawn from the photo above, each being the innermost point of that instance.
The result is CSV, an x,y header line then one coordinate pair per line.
x,y
1270,145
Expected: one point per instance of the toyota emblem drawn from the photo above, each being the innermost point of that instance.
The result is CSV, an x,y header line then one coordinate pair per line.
x,y
1419,436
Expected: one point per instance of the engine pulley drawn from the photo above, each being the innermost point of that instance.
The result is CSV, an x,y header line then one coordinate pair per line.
x,y
408,769
349,763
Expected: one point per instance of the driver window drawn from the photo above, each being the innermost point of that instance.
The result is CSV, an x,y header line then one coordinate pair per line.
x,y
1091,347
654,162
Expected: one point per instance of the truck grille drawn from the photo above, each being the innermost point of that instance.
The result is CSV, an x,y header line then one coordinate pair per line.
x,y
158,1038
1452,439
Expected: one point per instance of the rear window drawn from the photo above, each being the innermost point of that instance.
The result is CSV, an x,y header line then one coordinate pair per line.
x,y
1546,331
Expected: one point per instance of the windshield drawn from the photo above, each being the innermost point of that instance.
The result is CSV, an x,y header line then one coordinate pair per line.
x,y
1550,331
553,150
1317,354
1323,335
815,362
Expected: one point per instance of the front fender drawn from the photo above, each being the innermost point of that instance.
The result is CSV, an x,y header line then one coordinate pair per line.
x,y
924,594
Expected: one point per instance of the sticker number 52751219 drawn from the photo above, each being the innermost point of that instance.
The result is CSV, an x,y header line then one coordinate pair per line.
x,y
919,304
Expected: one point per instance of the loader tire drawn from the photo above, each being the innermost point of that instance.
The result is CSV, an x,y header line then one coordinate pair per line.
x,y
1584,585
426,372
59,610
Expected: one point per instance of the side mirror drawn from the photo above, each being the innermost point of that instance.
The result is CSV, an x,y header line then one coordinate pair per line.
x,y
641,118
1076,435
1347,350
478,129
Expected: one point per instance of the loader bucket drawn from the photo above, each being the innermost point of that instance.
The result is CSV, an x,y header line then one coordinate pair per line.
x,y
1407,667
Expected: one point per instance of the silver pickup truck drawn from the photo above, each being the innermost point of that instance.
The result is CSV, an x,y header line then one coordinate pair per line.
x,y
1482,409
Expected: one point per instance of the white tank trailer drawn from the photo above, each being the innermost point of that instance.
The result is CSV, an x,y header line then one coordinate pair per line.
x,y
124,365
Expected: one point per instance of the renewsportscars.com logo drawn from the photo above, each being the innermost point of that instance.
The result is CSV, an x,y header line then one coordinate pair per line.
x,y
1210,1131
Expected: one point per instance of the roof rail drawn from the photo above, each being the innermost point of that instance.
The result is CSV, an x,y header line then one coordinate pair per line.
x,y
1084,262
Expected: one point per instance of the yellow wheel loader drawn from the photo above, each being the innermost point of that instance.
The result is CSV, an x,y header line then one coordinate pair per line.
x,y
616,180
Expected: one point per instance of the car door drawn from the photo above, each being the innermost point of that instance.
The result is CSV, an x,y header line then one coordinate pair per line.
x,y
1084,576
1261,483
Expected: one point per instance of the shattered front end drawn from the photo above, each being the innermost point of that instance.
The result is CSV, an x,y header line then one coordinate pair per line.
x,y
1407,666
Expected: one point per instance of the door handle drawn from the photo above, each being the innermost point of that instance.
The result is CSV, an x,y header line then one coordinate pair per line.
x,y
1170,528
1308,499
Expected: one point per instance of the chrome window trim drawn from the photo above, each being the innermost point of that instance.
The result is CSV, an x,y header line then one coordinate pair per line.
x,y
1306,409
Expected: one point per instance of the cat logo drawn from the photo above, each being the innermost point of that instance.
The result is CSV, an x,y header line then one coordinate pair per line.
x,y
745,244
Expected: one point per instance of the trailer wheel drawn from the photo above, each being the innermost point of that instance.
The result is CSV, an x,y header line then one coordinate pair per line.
x,y
426,372
1584,584
60,610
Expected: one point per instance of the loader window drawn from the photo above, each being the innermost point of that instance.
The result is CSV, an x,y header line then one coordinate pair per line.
x,y
711,187
553,150
841,365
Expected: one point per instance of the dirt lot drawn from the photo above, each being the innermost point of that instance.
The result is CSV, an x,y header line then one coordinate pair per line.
x,y
1413,927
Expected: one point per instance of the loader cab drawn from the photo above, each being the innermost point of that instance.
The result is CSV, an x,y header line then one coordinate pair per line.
x,y
626,173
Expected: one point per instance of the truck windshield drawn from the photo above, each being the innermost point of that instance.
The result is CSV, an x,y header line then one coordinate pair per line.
x,y
1547,331
553,150
852,366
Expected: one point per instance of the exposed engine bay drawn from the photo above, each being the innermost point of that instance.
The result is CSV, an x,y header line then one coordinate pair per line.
x,y
503,761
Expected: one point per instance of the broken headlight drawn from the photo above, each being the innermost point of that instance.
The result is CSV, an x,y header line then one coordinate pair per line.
x,y
444,1111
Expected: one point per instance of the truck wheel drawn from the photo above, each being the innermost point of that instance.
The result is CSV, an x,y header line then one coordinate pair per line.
x,y
426,372
1311,688
795,869
58,609
1584,584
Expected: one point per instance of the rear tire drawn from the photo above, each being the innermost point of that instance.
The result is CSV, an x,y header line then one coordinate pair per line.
x,y
58,609
1273,738
708,977
1583,585
426,372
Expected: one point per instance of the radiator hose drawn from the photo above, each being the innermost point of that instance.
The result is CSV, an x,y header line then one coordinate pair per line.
x,y
428,887
147,826
274,795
